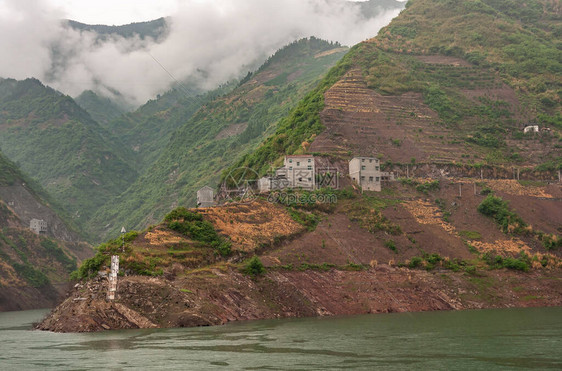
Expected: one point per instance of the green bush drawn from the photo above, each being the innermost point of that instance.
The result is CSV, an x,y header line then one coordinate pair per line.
x,y
254,267
415,262
391,245
498,209
192,225
183,213
90,267
522,263
430,186
309,220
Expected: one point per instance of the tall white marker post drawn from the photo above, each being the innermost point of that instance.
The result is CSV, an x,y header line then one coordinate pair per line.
x,y
113,277
123,231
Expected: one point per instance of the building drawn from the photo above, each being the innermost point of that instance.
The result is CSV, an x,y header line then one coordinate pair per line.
x,y
205,197
299,171
366,172
38,226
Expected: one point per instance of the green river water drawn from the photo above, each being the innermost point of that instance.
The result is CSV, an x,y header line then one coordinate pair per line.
x,y
464,340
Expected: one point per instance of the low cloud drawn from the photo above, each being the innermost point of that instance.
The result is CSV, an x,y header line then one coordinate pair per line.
x,y
215,39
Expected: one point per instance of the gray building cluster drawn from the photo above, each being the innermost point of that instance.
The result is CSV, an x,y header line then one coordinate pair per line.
x,y
301,171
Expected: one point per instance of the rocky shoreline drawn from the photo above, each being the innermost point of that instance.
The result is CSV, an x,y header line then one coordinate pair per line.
x,y
223,294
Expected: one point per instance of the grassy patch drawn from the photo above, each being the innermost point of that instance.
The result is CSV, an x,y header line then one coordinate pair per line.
x,y
471,235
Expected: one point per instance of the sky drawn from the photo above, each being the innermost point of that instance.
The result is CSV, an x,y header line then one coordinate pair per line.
x,y
115,12
212,41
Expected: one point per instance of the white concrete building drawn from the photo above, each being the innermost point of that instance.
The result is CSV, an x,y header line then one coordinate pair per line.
x,y
299,171
205,197
366,172
38,226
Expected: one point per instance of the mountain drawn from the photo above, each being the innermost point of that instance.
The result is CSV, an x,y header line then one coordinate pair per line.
x,y
441,96
101,109
55,141
148,129
34,268
426,90
219,132
155,29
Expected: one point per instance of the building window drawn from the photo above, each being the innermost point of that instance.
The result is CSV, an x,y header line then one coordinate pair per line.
x,y
378,179
371,160
310,179
362,178
362,160
290,168
298,163
309,160
376,168
290,161
363,167
370,179
309,167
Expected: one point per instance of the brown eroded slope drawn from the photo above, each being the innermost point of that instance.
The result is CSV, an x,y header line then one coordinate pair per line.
x,y
344,266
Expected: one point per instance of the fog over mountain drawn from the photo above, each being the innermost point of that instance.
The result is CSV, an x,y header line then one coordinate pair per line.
x,y
210,41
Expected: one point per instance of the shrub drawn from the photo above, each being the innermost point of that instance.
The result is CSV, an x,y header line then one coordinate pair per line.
x,y
192,225
254,267
430,186
497,261
415,262
90,267
497,208
183,213
391,245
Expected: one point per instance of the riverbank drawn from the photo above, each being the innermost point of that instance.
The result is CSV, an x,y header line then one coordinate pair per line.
x,y
222,294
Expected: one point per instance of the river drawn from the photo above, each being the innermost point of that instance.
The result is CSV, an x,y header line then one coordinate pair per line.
x,y
471,340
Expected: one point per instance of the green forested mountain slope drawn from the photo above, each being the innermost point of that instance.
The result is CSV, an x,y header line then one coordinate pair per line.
x,y
155,29
220,132
101,109
57,143
147,130
446,81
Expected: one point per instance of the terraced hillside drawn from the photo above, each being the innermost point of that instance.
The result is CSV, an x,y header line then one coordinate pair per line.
x,y
431,91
